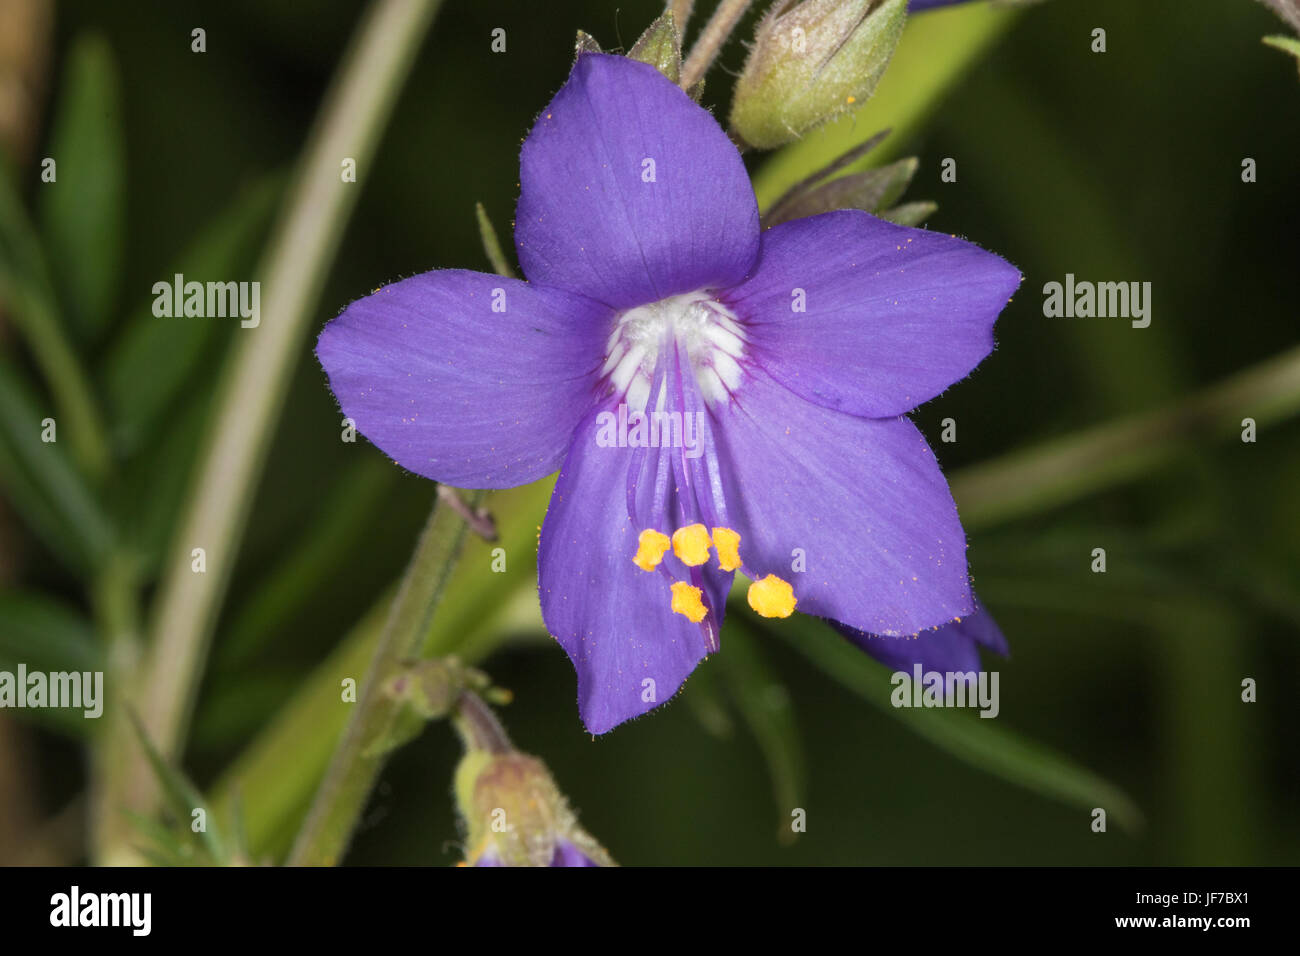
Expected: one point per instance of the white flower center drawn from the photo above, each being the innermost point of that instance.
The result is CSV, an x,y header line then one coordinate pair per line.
x,y
710,335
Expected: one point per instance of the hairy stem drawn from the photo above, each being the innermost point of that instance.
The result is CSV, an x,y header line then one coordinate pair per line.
x,y
478,726
681,11
352,771
714,35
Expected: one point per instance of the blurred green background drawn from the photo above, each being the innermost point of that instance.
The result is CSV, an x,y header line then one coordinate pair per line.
x,y
1121,166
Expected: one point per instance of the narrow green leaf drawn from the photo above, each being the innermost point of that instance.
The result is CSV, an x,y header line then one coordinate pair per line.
x,y
45,634
20,245
238,831
147,497
27,294
166,846
491,244
50,637
1286,44
972,739
323,548
235,707
278,772
181,796
153,359
50,494
82,210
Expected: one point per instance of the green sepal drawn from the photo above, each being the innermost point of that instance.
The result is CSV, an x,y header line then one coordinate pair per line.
x,y
661,47
585,43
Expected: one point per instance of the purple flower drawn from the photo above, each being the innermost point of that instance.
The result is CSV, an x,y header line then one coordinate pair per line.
x,y
776,369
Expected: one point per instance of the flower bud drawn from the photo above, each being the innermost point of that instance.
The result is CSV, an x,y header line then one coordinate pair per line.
x,y
811,63
516,816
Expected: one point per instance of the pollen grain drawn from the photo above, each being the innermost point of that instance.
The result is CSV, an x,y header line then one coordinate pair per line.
x,y
727,543
691,544
772,597
651,547
687,602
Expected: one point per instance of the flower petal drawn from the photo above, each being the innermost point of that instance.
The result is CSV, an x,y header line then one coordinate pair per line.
x,y
467,378
892,315
952,648
863,500
615,620
630,192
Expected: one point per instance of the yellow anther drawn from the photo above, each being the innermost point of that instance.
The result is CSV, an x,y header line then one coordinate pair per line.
x,y
691,544
772,597
727,542
650,549
686,601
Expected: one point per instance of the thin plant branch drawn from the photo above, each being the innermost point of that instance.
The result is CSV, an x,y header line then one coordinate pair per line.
x,y
356,763
681,11
1071,467
256,379
712,38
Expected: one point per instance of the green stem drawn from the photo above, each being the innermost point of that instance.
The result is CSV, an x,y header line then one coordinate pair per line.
x,y
1211,776
256,379
342,796
478,726
714,35
1069,468
280,770
116,600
